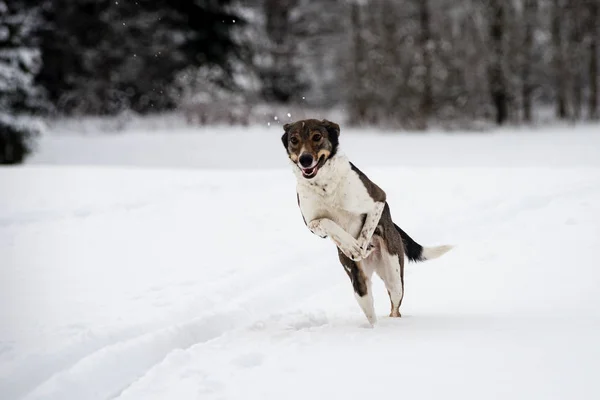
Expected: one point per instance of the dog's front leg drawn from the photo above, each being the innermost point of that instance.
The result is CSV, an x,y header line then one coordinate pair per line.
x,y
343,240
371,222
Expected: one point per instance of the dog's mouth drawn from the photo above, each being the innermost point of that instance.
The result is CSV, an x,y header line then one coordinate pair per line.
x,y
311,172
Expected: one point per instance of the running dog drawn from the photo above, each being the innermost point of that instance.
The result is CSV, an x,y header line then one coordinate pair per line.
x,y
338,201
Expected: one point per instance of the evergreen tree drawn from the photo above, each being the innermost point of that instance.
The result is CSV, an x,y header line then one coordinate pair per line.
x,y
280,70
103,56
19,63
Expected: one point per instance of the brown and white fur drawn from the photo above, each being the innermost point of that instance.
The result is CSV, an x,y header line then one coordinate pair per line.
x,y
338,201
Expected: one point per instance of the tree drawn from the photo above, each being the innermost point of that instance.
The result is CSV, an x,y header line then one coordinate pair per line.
x,y
496,72
358,97
575,52
426,44
16,140
280,70
594,44
73,34
103,56
19,63
530,19
560,69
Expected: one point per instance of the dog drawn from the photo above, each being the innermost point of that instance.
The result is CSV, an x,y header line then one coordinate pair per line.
x,y
339,202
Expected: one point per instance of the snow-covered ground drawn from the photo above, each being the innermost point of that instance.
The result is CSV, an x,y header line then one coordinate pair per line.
x,y
176,265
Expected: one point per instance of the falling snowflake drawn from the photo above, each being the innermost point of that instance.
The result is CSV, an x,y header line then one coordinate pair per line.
x,y
289,115
275,118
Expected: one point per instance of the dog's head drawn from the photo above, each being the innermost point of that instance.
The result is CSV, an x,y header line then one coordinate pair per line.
x,y
310,143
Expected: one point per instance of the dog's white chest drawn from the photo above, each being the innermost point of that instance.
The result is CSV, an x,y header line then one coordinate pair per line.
x,y
336,193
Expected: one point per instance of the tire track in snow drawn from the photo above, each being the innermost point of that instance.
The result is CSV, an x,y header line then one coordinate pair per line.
x,y
106,372
235,358
32,371
102,373
48,365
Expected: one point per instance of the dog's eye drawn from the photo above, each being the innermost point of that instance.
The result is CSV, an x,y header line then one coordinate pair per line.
x,y
294,140
317,137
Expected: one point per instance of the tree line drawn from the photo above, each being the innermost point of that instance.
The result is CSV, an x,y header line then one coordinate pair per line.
x,y
412,62
406,63
75,57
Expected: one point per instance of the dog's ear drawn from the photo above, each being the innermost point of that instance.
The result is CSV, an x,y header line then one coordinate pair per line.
x,y
332,128
284,138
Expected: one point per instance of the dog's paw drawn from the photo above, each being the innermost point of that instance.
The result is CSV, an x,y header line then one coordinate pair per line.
x,y
367,252
372,321
366,248
315,227
351,249
368,325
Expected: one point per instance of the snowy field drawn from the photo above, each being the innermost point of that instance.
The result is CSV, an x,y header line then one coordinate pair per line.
x,y
175,265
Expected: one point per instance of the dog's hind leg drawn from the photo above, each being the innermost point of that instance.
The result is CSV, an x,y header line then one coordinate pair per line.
x,y
395,285
390,269
361,283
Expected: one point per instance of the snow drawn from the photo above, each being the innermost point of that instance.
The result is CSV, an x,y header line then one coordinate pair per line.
x,y
260,147
176,265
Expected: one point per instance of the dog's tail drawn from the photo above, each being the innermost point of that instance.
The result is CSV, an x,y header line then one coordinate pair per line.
x,y
415,252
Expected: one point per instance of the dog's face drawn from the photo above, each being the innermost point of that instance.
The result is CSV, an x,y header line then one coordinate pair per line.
x,y
310,143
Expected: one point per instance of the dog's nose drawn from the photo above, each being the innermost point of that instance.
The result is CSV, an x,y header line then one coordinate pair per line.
x,y
306,160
